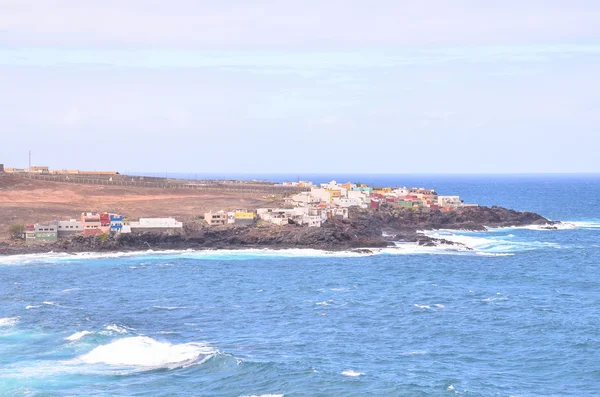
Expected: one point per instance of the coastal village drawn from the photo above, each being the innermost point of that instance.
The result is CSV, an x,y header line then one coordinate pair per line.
x,y
311,206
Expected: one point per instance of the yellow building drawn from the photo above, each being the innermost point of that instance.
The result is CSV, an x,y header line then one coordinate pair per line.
x,y
244,215
384,190
334,193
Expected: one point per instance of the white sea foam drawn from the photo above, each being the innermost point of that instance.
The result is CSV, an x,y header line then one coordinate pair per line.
x,y
242,254
9,321
169,307
567,225
147,353
585,224
422,306
495,298
414,353
325,303
491,245
265,395
49,303
498,245
351,372
78,335
29,307
116,328
70,290
439,305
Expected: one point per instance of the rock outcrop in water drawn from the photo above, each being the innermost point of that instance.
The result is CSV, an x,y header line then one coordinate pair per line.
x,y
364,229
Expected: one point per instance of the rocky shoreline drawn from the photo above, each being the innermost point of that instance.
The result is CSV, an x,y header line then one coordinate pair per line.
x,y
363,230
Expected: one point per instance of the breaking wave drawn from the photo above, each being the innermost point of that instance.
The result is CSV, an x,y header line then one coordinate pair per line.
x,y
169,307
265,395
147,353
78,335
351,372
9,321
496,245
116,328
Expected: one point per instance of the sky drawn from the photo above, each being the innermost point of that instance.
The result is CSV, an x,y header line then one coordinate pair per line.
x,y
336,86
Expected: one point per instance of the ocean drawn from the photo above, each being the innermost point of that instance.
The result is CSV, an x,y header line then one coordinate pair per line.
x,y
519,315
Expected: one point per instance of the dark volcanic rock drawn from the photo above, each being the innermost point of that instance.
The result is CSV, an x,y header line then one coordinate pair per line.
x,y
364,229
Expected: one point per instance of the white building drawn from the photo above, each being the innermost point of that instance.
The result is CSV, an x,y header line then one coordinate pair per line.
x,y
363,196
277,216
347,202
161,225
449,201
322,194
70,227
401,191
308,216
303,199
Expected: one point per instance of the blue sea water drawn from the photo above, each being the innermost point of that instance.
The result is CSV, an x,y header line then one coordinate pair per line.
x,y
518,316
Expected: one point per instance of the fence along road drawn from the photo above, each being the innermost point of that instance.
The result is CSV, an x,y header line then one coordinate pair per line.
x,y
164,183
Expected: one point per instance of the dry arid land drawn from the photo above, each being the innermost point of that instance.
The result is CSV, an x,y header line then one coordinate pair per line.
x,y
23,200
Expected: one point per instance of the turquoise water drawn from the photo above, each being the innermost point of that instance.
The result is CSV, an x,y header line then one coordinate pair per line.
x,y
518,316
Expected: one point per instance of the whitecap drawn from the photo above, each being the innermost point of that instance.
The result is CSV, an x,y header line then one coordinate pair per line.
x,y
494,299
415,353
169,307
439,305
49,303
351,372
265,395
78,335
422,306
9,321
28,307
324,303
116,328
147,353
490,245
70,290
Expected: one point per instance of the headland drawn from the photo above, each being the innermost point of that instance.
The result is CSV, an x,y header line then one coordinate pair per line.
x,y
331,216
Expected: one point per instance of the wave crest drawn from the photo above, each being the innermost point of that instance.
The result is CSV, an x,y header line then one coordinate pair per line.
x,y
145,352
9,321
78,335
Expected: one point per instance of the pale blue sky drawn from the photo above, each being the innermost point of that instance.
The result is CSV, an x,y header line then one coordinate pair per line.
x,y
301,87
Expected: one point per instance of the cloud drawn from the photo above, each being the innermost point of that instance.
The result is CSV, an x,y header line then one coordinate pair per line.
x,y
277,25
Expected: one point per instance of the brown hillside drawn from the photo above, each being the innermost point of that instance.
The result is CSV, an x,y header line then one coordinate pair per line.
x,y
27,201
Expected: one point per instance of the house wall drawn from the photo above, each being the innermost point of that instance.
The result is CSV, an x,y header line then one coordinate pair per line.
x,y
69,228
116,223
216,218
46,232
90,220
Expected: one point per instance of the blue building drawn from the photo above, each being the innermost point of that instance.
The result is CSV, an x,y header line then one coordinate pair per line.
x,y
116,223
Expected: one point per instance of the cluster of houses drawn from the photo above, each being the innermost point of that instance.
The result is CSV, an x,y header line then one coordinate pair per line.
x,y
333,200
347,195
93,223
308,208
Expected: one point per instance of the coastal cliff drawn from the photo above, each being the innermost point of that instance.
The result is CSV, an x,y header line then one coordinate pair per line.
x,y
363,229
